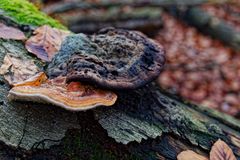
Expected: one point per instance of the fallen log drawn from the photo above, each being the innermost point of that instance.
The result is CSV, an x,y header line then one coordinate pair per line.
x,y
146,123
210,25
67,6
145,19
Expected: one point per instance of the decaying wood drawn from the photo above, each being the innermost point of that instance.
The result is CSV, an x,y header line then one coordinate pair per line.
x,y
140,19
79,4
92,19
148,122
210,25
24,124
149,113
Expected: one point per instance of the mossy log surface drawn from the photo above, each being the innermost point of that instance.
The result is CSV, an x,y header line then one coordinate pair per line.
x,y
25,13
144,124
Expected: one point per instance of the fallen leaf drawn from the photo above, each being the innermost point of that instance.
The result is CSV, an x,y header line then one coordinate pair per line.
x,y
190,155
46,42
14,71
7,32
221,151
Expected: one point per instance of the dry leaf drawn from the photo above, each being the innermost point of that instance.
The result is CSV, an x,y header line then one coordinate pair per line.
x,y
190,155
16,69
11,33
221,151
46,42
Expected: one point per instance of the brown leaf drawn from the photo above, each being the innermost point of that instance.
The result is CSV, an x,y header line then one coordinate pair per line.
x,y
14,71
7,32
46,42
190,155
221,151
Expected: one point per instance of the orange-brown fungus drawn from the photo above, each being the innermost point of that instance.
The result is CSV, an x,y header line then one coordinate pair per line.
x,y
36,80
72,96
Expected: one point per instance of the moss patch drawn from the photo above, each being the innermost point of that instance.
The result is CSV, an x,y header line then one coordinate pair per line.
x,y
23,12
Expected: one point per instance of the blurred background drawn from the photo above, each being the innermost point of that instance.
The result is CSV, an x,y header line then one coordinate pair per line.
x,y
201,38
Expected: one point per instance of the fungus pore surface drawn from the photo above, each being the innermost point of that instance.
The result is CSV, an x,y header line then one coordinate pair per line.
x,y
112,58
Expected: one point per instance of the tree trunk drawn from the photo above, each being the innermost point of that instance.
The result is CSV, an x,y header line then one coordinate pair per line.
x,y
144,124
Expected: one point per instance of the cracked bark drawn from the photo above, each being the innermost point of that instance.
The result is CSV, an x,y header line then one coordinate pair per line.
x,y
24,129
24,124
150,113
148,122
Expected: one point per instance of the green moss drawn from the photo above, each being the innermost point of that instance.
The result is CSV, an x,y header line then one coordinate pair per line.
x,y
23,12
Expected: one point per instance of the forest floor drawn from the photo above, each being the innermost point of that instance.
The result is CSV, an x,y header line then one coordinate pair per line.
x,y
199,68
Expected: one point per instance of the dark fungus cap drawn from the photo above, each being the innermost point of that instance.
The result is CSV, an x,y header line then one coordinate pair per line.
x,y
112,58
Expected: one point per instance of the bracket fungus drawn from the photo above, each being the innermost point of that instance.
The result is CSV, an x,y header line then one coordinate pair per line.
x,y
35,80
73,96
112,58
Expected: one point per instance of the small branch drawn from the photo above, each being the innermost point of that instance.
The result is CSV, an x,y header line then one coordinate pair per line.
x,y
209,25
67,6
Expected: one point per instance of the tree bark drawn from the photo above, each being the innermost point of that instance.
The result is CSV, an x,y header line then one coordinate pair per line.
x,y
147,123
148,113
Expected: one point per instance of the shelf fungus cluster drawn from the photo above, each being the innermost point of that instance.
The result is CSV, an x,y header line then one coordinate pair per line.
x,y
87,67
71,96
